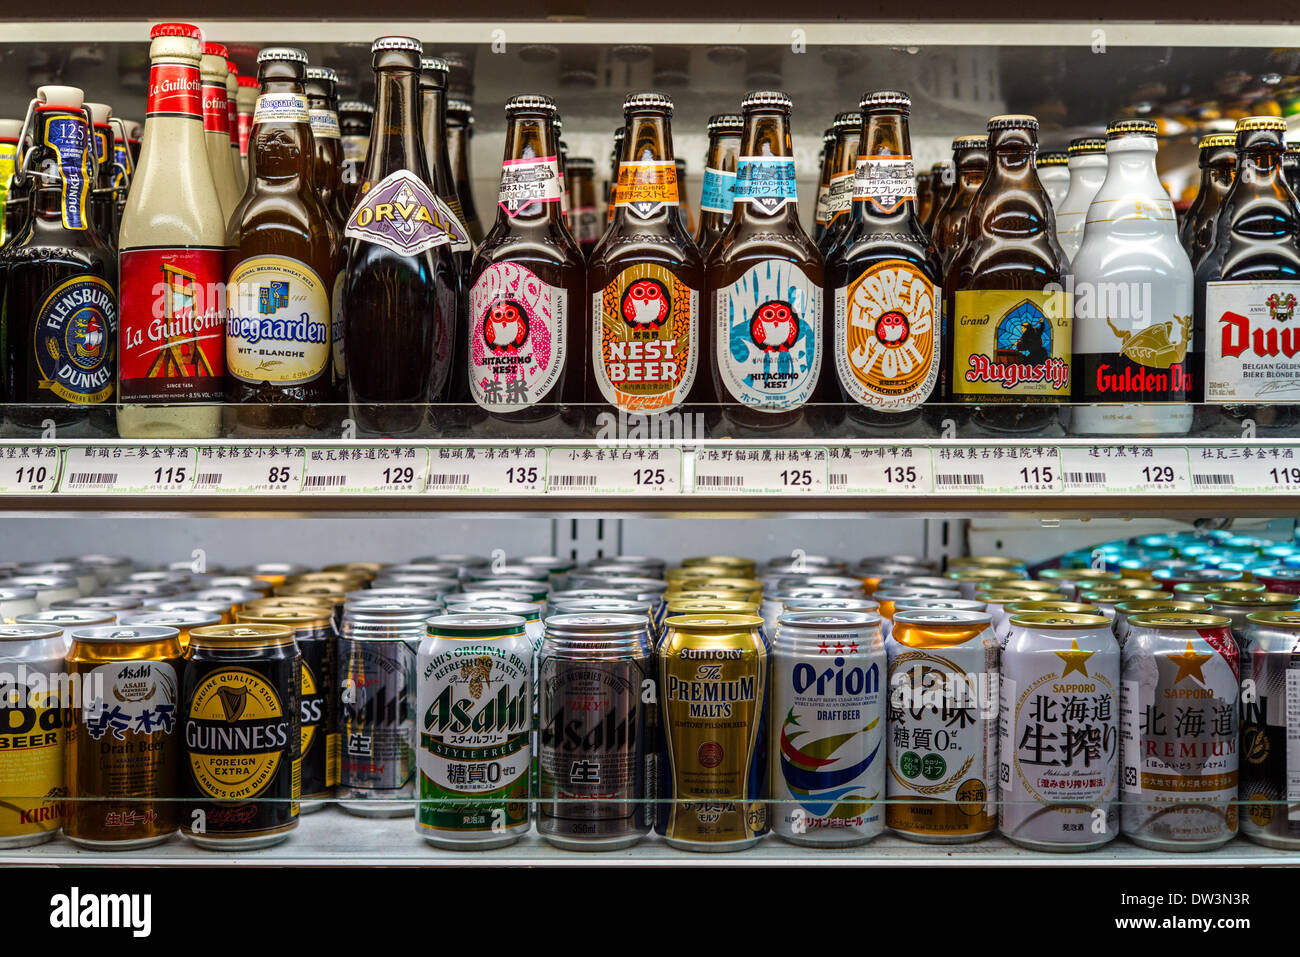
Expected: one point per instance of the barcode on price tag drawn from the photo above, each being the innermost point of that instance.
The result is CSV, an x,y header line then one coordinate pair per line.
x,y
997,470
367,470
886,470
250,470
28,469
614,471
128,470
747,471
1245,469
486,470
1125,469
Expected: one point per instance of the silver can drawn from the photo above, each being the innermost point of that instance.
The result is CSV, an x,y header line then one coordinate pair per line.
x,y
15,602
611,606
240,583
484,594
107,568
465,565
32,736
556,568
1155,606
774,602
1051,607
48,588
68,618
827,761
116,605
85,577
915,581
1270,729
437,584
1238,606
1058,732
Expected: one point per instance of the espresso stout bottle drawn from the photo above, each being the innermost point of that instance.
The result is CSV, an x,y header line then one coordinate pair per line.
x,y
585,217
823,185
1087,171
970,158
719,193
327,174
460,130
839,191
355,120
400,298
103,199
1218,162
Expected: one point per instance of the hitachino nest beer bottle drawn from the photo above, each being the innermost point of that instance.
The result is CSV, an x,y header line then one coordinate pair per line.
x,y
843,161
718,194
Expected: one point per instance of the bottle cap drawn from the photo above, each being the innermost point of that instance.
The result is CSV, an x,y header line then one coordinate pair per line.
x,y
434,63
355,106
1118,128
766,98
885,100
322,73
1086,144
232,67
1248,123
828,137
938,169
248,81
726,123
397,43
216,49
59,97
292,54
972,142
100,113
848,120
648,101
460,106
175,30
1052,159
529,103
1217,140
1012,121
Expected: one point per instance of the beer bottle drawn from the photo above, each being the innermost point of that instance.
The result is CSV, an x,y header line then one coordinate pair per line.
x,y
1248,286
232,126
216,127
582,203
327,172
884,279
460,130
354,126
1010,327
839,192
924,197
135,140
527,297
611,187
245,103
10,132
941,182
401,295
561,160
823,184
1132,299
688,216
645,278
719,193
763,284
123,167
103,199
58,317
172,248
1291,167
1054,174
1087,170
1218,162
282,261
970,159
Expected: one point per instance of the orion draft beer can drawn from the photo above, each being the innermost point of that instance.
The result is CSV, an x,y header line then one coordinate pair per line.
x,y
1270,729
32,737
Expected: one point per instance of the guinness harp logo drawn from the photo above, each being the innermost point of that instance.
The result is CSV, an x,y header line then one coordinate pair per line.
x,y
233,701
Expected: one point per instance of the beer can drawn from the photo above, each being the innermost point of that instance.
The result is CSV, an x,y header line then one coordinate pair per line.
x,y
713,691
996,603
1238,606
943,710
680,606
556,568
1058,732
630,606
865,605
348,580
503,570
1028,589
947,604
124,739
116,605
1152,606
916,581
146,590
536,591
335,595
183,621
474,702
241,583
1069,580
465,565
697,573
239,714
233,598
186,606
597,731
1179,729
1270,729
389,591
1008,563
15,602
367,570
1003,629
774,602
67,618
647,562
970,580
1169,577
438,584
1107,600
885,599
828,757
1200,589
107,568
1279,579
87,581
47,588
277,573
32,736
738,566
873,574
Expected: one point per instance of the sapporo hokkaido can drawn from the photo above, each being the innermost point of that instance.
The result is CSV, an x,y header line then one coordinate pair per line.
x,y
596,697
1058,732
239,711
1152,606
1270,729
1179,730
474,709
943,708
828,755
124,739
32,737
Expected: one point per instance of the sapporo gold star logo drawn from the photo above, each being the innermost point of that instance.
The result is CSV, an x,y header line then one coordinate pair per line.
x,y
1075,659
1189,664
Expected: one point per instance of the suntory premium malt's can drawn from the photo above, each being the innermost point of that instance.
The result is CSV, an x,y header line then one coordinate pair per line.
x,y
713,691
1058,732
124,737
1270,729
239,714
32,736
474,713
943,708
1179,728
828,753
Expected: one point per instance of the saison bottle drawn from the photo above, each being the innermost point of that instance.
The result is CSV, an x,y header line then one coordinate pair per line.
x,y
839,191
355,119
327,174
883,279
401,295
1010,327
10,132
527,298
970,159
582,203
763,284
1132,299
216,127
282,262
1218,162
719,193
645,277
941,182
232,124
823,184
924,197
460,130
1248,286
1087,171
1054,174
103,198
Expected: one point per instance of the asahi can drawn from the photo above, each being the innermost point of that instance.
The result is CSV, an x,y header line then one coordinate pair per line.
x,y
474,708
1179,728
828,755
1270,729
595,690
943,711
713,691
32,736
124,736
1058,732
1152,606
15,602
239,716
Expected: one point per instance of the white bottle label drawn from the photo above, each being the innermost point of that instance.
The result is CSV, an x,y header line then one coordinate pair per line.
x,y
1252,341
281,108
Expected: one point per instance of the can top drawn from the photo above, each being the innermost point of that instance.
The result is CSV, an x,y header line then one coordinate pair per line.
x,y
1205,588
837,603
553,563
1052,607
39,582
330,590
241,582
712,622
231,596
1179,620
1199,574
1054,620
1278,573
1251,599
171,619
383,591
915,581
66,617
475,626
941,617
1158,606
119,634
1080,574
106,602
458,598
624,606
301,617
794,594
17,594
185,606
894,594
698,606
823,620
1288,619
242,635
976,573
595,625
1122,594
950,604
29,632
1027,585
394,606
988,561
1006,596
487,606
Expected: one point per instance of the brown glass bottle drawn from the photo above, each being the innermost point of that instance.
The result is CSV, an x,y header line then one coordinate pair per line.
x,y
924,197
327,173
839,192
941,183
823,184
1009,335
1291,166
355,120
1218,162
460,131
646,353
103,201
719,192
281,262
586,224
611,186
970,159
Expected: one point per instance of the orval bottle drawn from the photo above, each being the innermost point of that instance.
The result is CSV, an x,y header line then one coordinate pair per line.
x,y
839,191
216,127
327,173
460,132
718,195
1218,162
970,158
1087,171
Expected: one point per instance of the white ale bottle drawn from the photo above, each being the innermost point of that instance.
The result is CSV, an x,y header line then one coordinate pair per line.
x,y
216,127
171,257
1132,299
1087,170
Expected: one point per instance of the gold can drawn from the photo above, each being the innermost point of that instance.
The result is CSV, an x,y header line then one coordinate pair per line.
x,y
1026,586
745,589
997,562
349,580
277,573
370,570
240,582
697,573
1052,607
234,598
710,606
997,595
183,622
739,567
970,580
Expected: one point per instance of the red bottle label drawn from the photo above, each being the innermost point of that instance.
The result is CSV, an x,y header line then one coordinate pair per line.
x,y
232,118
174,89
216,114
173,321
245,130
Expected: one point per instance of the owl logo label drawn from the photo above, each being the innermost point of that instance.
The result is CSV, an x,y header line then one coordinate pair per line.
x,y
646,304
886,322
892,328
505,327
774,326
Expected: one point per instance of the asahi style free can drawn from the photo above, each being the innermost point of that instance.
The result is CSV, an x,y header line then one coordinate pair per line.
x,y
1179,728
124,736
32,736
943,707
1058,732
474,714
828,754
1270,729
713,697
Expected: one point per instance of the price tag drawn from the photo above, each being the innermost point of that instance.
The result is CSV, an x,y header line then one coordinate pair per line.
x,y
366,470
128,469
486,470
882,470
1250,470
997,469
770,471
1126,469
244,470
27,469
614,471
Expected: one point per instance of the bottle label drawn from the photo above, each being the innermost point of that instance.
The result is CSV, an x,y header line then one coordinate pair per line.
x,y
173,311
768,325
325,123
281,108
821,212
719,194
399,213
216,112
454,220
1011,344
527,182
1252,341
885,181
355,148
121,163
645,188
103,141
278,330
517,337
245,131
645,329
232,117
337,326
887,323
839,196
175,89
69,138
75,339
586,224
766,182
